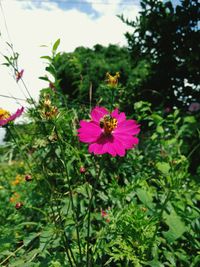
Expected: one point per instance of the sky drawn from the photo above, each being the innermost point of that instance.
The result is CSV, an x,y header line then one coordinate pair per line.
x,y
32,26
29,25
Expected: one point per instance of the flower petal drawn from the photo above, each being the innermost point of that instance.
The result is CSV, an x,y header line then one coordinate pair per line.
x,y
128,126
16,114
95,148
89,126
119,148
119,116
12,117
89,132
97,113
128,141
105,144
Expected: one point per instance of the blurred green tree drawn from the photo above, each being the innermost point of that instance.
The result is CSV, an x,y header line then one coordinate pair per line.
x,y
85,68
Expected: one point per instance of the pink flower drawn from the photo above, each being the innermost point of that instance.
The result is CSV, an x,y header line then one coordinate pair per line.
x,y
195,106
109,132
6,119
167,110
19,75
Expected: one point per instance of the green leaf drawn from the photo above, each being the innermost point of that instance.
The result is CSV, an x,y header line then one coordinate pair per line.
x,y
27,223
170,141
157,118
154,263
55,46
163,167
154,136
30,238
176,113
159,129
145,197
190,119
176,226
47,57
17,263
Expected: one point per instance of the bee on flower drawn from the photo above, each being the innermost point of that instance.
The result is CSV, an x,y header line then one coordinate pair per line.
x,y
112,80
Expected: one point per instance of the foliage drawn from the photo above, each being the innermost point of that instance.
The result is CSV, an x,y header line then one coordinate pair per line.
x,y
137,210
82,73
166,37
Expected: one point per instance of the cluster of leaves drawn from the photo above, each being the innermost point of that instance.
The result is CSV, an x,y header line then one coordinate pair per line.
x,y
160,65
149,196
82,72
138,210
166,37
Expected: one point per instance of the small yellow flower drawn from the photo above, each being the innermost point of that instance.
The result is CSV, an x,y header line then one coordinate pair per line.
x,y
48,111
15,197
4,114
47,102
112,80
17,180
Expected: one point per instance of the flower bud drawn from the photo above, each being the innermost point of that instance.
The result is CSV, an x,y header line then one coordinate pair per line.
x,y
82,169
18,205
28,177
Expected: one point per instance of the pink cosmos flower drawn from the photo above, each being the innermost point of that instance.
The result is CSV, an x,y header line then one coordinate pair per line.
x,y
109,132
19,75
5,120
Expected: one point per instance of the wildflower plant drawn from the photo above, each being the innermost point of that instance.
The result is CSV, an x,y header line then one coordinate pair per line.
x,y
87,192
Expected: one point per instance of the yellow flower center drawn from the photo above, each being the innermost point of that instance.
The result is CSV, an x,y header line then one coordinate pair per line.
x,y
4,114
108,123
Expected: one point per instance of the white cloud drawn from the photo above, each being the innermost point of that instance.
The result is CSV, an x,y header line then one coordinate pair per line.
x,y
30,28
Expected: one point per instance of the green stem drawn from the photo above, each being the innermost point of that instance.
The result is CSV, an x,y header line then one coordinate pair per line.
x,y
66,241
193,150
24,156
60,219
159,219
75,215
88,226
65,236
89,213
